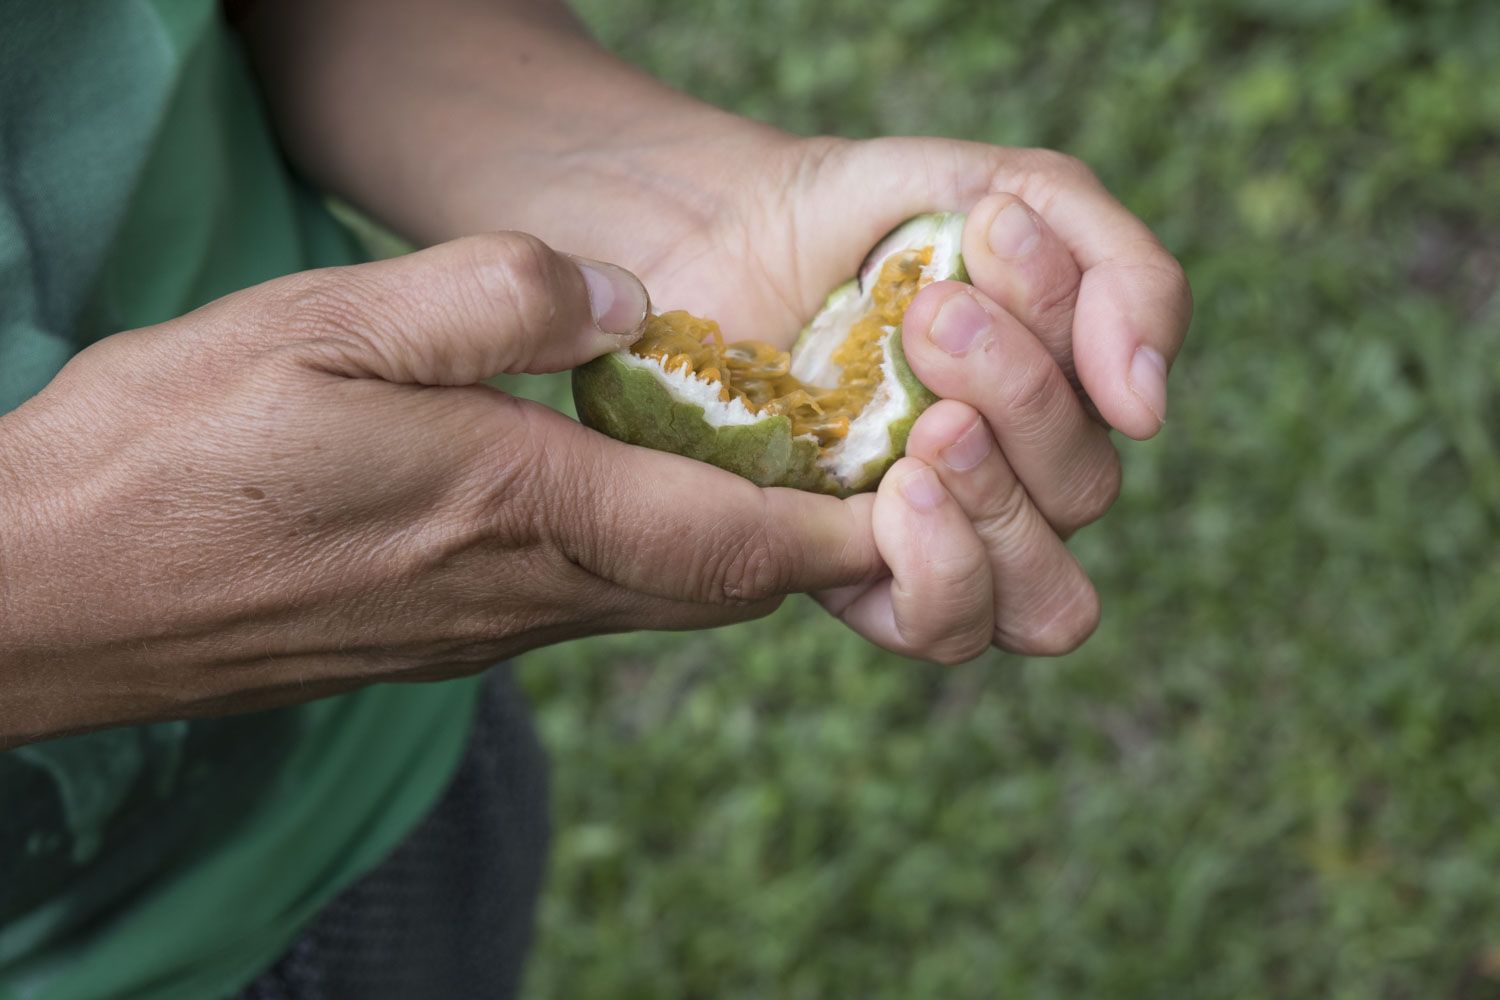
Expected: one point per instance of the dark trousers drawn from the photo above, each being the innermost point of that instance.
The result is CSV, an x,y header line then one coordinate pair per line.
x,y
448,914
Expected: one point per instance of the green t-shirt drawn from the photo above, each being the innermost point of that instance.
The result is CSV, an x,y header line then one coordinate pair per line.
x,y
139,179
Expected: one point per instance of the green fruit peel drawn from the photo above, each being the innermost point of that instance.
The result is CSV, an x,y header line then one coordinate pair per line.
x,y
638,400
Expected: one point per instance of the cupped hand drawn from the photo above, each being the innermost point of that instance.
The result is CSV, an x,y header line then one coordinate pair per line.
x,y
304,487
1071,324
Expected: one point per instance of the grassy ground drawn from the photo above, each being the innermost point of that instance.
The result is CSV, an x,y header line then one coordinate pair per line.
x,y
1276,769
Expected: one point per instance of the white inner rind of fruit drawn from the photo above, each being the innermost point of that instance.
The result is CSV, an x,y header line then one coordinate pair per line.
x,y
812,357
689,387
869,434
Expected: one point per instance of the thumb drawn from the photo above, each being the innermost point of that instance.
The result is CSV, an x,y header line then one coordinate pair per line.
x,y
467,310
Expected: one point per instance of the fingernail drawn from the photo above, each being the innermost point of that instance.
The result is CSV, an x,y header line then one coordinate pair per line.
x,y
1014,232
969,450
1148,380
959,325
617,299
922,489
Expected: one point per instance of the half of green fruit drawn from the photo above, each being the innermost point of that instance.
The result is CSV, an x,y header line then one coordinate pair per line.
x,y
830,416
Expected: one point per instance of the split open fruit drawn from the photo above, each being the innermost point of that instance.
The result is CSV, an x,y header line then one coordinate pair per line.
x,y
831,415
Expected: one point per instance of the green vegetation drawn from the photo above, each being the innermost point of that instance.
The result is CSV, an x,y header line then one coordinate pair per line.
x,y
1276,769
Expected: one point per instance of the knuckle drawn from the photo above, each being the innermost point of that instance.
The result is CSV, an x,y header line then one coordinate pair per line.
x,y
951,622
1002,517
118,355
516,272
1051,161
955,570
1062,631
1032,390
1067,161
512,257
1179,286
754,570
938,639
1162,275
1100,490
961,649
928,635
1053,302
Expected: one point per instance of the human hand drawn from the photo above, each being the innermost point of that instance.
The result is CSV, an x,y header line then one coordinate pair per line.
x,y
1070,326
739,222
304,487
726,217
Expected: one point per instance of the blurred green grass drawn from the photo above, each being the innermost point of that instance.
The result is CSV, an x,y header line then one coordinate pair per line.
x,y
1275,771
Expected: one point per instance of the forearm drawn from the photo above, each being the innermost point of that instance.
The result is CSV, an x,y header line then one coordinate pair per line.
x,y
454,116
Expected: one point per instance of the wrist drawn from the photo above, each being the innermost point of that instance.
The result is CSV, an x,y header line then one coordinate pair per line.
x,y
20,542
501,117
14,530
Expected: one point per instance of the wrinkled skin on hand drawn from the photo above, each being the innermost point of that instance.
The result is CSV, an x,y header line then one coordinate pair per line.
x,y
303,487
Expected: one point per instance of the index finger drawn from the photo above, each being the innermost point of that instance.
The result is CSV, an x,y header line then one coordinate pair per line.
x,y
672,527
1134,303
